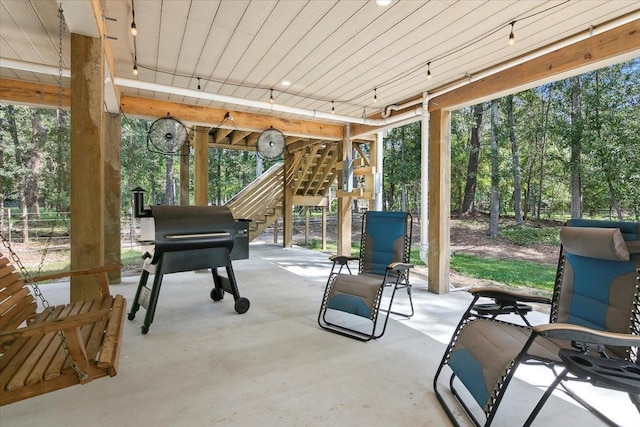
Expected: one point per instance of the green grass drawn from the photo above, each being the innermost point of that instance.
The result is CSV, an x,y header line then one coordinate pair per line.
x,y
509,272
529,235
129,257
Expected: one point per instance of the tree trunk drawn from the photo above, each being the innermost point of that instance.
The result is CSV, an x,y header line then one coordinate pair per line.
x,y
546,108
576,141
515,155
169,190
474,158
33,162
495,177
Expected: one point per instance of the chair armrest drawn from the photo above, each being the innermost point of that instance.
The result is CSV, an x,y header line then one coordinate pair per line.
x,y
99,272
399,266
568,331
48,326
508,296
342,259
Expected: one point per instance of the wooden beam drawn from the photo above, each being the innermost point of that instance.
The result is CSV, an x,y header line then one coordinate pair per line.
x,y
198,114
574,59
589,54
36,94
221,134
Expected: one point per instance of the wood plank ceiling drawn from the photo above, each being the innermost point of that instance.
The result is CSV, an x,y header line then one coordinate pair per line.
x,y
351,55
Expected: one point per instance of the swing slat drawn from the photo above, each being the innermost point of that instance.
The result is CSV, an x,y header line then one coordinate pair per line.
x,y
33,359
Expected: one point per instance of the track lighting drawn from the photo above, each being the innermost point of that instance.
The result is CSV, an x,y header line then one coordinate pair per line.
x,y
512,38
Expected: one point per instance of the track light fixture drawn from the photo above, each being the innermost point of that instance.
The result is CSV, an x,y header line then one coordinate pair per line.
x,y
512,38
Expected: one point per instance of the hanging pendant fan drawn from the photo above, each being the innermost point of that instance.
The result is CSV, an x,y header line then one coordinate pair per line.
x,y
167,135
270,144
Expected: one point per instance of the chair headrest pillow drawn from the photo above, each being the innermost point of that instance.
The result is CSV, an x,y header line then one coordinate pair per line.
x,y
592,242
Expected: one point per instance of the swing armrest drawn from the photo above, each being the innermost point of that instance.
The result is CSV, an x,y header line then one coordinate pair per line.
x,y
48,326
99,272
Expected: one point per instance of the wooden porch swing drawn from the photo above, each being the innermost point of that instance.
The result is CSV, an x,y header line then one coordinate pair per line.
x,y
60,346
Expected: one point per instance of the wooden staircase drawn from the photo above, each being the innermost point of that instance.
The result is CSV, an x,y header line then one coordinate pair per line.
x,y
260,201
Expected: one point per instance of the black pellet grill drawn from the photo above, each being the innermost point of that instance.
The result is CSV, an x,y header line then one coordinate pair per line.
x,y
190,238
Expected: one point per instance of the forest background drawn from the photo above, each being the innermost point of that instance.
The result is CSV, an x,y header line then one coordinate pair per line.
x,y
565,149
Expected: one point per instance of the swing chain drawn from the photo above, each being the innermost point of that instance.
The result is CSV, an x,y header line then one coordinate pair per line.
x,y
26,275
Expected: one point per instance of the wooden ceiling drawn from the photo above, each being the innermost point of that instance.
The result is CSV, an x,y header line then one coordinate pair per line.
x,y
355,56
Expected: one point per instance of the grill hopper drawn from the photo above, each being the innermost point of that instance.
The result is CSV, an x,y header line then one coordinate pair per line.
x,y
190,238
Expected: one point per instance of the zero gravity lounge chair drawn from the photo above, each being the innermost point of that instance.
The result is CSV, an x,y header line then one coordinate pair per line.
x,y
594,315
351,304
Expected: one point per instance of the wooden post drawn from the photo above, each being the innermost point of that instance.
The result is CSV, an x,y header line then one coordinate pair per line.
x,y
324,228
307,213
439,200
201,167
112,167
184,175
275,231
287,203
87,162
344,210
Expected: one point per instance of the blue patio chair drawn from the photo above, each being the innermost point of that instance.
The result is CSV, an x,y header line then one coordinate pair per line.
x,y
351,304
594,320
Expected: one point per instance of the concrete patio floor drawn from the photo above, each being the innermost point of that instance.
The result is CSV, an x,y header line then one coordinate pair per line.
x,y
202,364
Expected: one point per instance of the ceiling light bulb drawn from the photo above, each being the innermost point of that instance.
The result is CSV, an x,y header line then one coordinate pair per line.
x,y
134,29
428,70
512,38
271,97
375,96
286,83
383,2
135,70
333,110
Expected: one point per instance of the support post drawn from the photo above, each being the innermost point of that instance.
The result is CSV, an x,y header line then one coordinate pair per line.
x,y
376,155
344,202
287,203
439,200
112,168
87,162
